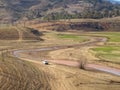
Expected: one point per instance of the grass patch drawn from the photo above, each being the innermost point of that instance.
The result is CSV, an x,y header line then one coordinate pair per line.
x,y
114,58
112,36
68,36
109,53
72,37
107,49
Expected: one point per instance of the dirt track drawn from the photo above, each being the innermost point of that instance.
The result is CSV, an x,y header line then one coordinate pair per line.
x,y
93,41
61,77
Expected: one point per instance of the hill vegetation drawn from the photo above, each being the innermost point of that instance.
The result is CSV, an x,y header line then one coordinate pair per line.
x,y
12,10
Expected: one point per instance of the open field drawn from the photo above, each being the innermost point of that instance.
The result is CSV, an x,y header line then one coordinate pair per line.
x,y
112,36
109,53
73,37
20,74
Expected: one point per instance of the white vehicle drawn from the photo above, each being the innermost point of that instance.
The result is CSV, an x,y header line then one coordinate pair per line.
x,y
45,62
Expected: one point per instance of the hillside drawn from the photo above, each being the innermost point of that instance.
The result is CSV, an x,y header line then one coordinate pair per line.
x,y
19,33
105,24
12,10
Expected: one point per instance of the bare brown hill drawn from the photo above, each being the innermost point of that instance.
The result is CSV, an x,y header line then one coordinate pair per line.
x,y
17,33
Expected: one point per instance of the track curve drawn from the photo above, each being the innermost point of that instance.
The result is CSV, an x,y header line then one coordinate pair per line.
x,y
92,42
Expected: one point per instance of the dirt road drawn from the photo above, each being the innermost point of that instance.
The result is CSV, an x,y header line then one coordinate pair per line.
x,y
93,41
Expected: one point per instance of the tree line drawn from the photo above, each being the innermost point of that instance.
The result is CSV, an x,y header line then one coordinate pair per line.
x,y
86,14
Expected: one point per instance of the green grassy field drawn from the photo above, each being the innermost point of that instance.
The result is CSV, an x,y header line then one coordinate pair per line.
x,y
112,36
108,52
73,37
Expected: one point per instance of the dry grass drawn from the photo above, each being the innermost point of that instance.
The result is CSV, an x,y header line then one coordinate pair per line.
x,y
72,54
18,33
16,74
69,78
8,33
20,75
